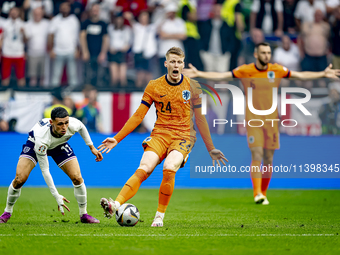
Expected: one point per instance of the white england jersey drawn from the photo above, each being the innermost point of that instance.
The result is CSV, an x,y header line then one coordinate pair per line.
x,y
41,135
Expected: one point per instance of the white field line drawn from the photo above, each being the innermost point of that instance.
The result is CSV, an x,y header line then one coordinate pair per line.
x,y
169,235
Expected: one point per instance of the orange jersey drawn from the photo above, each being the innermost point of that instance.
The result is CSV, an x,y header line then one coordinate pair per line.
x,y
262,82
174,103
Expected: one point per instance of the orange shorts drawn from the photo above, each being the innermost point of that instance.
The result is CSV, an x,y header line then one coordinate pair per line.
x,y
162,143
267,137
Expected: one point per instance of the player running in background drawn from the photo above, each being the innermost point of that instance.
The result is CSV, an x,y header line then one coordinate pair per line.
x,y
49,138
262,76
176,98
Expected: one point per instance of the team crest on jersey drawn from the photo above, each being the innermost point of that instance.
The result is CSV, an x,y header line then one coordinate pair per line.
x,y
26,149
251,139
186,95
42,149
271,76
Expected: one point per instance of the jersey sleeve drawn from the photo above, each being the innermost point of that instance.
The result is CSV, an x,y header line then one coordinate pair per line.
x,y
148,96
282,71
40,148
196,92
239,72
78,126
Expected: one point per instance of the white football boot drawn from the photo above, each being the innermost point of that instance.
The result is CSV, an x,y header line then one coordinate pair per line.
x,y
110,207
158,220
265,201
259,198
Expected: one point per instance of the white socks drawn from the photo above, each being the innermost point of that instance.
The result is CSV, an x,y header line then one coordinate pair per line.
x,y
160,214
12,197
80,194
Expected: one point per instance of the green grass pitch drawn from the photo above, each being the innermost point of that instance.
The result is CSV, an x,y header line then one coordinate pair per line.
x,y
202,221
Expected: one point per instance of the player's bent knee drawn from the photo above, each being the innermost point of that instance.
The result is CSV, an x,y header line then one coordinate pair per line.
x,y
146,167
171,166
19,181
77,180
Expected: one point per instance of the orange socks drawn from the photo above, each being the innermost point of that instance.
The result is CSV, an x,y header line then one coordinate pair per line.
x,y
131,186
266,179
256,175
166,189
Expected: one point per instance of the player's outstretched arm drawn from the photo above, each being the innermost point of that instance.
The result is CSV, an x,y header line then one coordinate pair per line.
x,y
44,166
109,143
192,72
218,156
203,128
327,73
98,154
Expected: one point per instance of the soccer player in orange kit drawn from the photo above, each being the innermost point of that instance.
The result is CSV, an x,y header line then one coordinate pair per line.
x,y
262,76
176,99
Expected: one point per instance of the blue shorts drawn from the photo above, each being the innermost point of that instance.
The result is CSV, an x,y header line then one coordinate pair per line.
x,y
60,154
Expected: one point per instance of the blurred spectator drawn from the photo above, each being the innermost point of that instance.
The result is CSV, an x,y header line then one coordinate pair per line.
x,y
314,43
157,10
187,11
144,46
89,113
289,25
214,38
86,92
63,39
305,11
68,102
13,42
330,113
232,14
134,6
336,39
106,8
76,8
171,34
4,127
57,101
287,54
268,16
331,5
204,8
94,42
37,33
256,37
7,5
46,5
120,43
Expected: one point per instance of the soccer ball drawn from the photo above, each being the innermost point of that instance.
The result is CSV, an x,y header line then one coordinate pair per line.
x,y
127,215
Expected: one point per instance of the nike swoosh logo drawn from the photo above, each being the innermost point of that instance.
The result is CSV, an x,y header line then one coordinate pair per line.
x,y
164,95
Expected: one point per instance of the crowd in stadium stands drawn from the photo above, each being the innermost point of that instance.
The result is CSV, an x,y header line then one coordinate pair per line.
x,y
121,44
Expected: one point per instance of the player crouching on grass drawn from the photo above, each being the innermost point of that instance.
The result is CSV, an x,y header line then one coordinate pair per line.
x,y
49,138
176,98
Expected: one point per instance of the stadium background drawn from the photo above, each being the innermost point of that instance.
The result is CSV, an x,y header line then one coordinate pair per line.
x,y
22,107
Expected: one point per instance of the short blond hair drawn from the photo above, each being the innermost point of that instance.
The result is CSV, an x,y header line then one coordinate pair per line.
x,y
175,50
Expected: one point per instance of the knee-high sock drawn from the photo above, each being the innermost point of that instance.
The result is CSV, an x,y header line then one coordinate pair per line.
x,y
80,194
255,173
266,177
12,196
131,186
166,190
